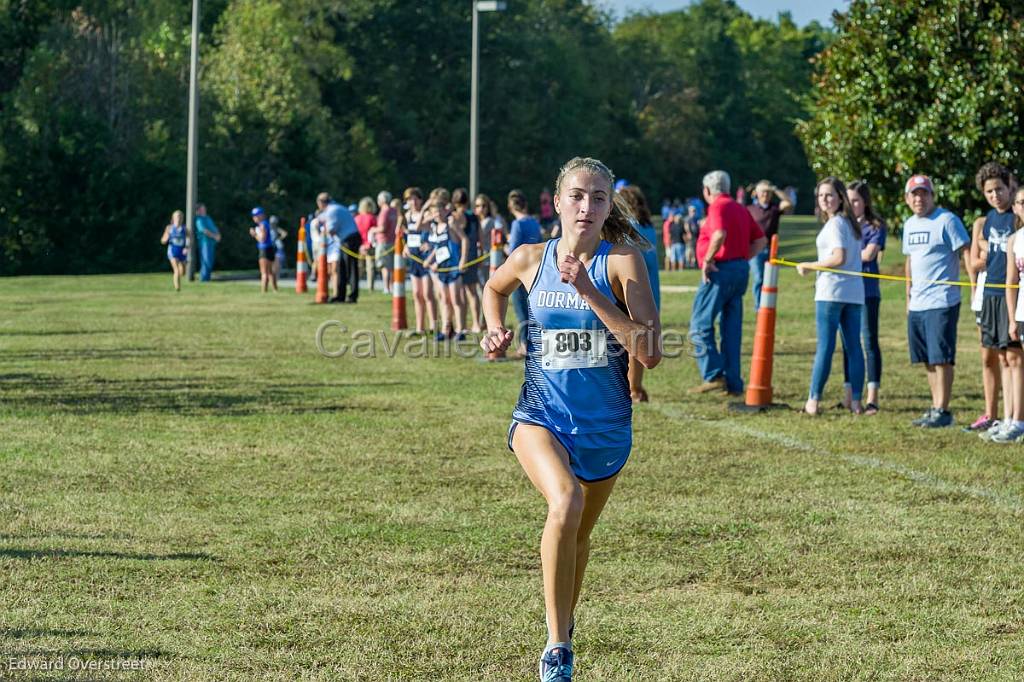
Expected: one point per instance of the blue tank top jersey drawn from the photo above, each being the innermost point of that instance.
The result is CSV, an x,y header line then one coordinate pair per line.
x,y
472,236
587,399
651,261
268,235
997,230
176,238
420,251
176,242
440,239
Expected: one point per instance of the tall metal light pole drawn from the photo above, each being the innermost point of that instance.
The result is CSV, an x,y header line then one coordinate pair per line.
x,y
478,6
193,156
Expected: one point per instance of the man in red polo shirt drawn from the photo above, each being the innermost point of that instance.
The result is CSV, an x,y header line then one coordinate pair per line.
x,y
728,239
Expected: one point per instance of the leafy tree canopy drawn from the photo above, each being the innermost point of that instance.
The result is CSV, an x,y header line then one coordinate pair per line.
x,y
919,86
351,96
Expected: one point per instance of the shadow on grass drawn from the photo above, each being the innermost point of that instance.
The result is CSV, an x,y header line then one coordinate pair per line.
x,y
64,536
98,395
79,354
73,553
27,633
91,654
55,332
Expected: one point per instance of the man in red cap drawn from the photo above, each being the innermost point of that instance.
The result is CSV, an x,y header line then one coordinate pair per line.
x,y
932,241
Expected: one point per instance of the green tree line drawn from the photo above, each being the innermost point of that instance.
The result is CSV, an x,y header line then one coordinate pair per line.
x,y
353,96
920,86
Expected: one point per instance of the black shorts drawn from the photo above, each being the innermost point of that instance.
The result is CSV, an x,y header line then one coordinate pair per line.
x,y
931,335
471,275
994,320
269,252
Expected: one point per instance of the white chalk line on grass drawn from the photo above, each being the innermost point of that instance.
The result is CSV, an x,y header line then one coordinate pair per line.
x,y
1008,500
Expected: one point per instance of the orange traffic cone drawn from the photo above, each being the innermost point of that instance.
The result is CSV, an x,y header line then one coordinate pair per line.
x,y
759,390
301,264
398,320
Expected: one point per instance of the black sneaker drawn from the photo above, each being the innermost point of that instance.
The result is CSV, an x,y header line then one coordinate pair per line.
x,y
927,416
940,420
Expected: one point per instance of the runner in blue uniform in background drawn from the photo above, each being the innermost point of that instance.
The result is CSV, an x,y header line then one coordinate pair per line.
x,y
446,261
417,248
177,252
264,236
590,303
470,276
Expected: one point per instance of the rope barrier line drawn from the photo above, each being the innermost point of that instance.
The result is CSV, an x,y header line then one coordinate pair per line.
x,y
893,278
475,261
390,249
367,255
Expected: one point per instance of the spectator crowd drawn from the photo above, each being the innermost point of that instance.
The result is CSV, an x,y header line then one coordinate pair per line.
x,y
447,238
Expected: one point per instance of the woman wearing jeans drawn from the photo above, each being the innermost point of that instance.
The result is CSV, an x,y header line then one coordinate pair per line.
x,y
839,298
872,243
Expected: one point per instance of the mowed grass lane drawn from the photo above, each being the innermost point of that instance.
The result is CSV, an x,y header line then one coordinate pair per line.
x,y
185,481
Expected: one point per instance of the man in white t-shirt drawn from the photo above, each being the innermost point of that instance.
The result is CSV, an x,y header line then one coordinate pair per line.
x,y
932,241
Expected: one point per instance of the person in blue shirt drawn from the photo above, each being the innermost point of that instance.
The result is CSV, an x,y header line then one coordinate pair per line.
x,y
264,236
207,236
177,247
524,230
873,231
590,309
637,203
470,224
932,241
341,230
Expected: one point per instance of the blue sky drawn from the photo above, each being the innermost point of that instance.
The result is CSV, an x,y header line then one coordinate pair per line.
x,y
803,11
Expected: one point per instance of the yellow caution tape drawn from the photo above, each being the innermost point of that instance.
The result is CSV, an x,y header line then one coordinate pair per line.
x,y
367,254
391,249
890,278
475,261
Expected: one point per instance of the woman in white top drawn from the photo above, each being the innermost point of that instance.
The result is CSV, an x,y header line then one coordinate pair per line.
x,y
1015,308
839,298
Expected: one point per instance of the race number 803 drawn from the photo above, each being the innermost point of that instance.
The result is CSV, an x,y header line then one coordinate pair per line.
x,y
573,348
573,341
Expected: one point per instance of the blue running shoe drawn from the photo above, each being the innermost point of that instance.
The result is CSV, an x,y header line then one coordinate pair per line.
x,y
556,665
940,420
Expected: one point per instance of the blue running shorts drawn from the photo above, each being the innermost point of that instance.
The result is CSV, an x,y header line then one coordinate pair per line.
x,y
593,457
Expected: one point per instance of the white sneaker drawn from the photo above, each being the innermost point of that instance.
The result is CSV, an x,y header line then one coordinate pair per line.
x,y
1011,434
992,431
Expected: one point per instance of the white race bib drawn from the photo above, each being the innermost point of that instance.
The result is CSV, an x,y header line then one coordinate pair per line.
x,y
979,293
573,348
441,254
413,240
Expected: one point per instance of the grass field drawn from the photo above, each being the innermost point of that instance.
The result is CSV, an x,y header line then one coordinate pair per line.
x,y
187,485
